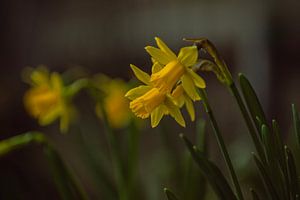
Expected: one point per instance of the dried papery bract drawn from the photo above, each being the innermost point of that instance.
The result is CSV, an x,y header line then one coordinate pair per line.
x,y
208,46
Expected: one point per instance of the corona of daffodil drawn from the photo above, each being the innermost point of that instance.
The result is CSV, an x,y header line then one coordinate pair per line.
x,y
114,102
175,68
45,100
147,100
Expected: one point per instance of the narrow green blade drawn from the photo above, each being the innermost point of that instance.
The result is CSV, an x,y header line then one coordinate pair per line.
x,y
200,137
170,195
268,144
273,164
211,172
19,141
66,182
266,179
293,177
254,194
281,158
296,122
252,101
279,145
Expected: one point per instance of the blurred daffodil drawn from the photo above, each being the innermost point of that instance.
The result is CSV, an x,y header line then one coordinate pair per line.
x,y
114,103
45,99
147,100
169,69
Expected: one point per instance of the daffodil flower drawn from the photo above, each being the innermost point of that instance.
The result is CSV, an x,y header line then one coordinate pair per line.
x,y
114,103
147,100
175,68
45,101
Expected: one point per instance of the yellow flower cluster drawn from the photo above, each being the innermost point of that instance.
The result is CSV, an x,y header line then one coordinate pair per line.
x,y
171,85
45,99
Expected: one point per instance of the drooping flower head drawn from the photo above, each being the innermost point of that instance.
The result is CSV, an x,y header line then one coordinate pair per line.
x,y
175,68
114,103
147,100
45,99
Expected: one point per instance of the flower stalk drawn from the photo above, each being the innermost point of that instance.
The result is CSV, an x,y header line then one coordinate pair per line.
x,y
221,143
116,160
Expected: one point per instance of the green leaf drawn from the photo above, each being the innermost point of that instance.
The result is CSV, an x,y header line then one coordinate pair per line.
x,y
252,101
132,158
115,152
211,172
296,123
279,144
293,177
200,137
273,162
281,158
194,183
266,179
67,184
254,195
268,144
170,195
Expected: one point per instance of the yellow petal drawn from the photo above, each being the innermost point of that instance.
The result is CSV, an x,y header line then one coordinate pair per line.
x,y
198,80
189,87
156,116
158,55
49,117
165,48
141,75
39,76
137,92
188,55
56,82
174,111
156,67
190,107
178,96
179,101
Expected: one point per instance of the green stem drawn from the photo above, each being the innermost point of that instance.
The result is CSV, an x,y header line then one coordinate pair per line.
x,y
221,144
133,150
248,121
116,158
20,141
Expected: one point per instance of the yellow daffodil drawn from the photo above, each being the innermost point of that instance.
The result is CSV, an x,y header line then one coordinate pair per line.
x,y
45,101
175,68
181,98
147,100
114,102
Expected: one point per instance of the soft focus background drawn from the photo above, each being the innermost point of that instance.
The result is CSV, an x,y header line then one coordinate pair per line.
x,y
258,38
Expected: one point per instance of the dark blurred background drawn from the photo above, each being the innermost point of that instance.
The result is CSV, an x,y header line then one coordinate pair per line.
x,y
258,38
